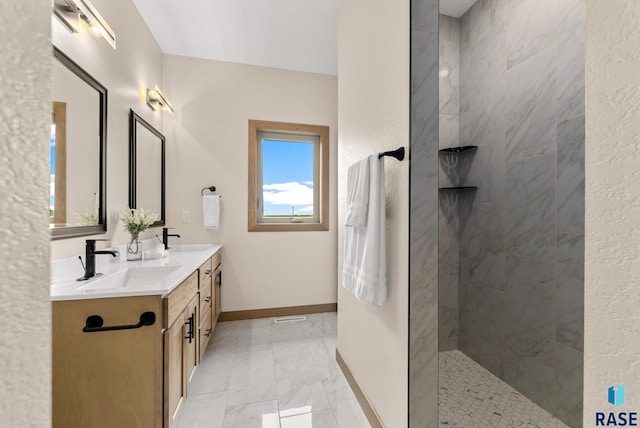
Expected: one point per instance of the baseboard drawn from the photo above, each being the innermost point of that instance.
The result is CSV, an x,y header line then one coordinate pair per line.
x,y
277,312
368,410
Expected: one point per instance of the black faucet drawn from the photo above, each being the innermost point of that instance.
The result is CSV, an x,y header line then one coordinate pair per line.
x,y
90,258
166,235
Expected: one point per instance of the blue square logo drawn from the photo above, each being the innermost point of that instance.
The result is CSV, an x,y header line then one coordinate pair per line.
x,y
616,395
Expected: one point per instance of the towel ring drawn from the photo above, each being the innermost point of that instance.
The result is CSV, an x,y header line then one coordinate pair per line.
x,y
211,189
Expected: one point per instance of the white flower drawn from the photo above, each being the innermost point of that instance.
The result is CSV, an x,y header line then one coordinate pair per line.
x,y
138,220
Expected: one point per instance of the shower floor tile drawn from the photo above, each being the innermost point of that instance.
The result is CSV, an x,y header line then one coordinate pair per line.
x,y
472,397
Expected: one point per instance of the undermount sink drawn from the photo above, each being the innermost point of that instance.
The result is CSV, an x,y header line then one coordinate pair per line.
x,y
188,248
133,276
150,271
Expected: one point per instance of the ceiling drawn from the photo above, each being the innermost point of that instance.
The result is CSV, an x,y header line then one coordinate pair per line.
x,y
298,35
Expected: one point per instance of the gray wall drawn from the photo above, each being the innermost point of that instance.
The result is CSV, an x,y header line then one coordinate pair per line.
x,y
522,233
423,220
25,310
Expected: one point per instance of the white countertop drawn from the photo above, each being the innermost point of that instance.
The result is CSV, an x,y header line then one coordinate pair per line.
x,y
123,278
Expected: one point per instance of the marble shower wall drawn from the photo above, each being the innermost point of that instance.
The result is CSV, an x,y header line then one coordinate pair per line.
x,y
423,220
449,175
521,245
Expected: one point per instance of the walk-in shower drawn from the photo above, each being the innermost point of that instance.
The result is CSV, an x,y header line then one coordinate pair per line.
x,y
511,214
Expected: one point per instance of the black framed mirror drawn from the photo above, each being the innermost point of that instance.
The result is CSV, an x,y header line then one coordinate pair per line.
x,y
78,151
146,167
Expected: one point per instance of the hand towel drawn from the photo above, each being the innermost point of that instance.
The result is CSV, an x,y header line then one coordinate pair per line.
x,y
357,193
364,270
211,211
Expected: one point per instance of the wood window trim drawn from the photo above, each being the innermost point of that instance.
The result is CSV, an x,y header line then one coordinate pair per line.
x,y
59,119
322,132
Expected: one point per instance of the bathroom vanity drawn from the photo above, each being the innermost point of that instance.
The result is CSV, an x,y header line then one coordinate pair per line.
x,y
127,344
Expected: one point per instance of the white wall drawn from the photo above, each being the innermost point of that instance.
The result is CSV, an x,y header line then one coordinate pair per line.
x,y
373,112
612,232
207,144
25,310
126,73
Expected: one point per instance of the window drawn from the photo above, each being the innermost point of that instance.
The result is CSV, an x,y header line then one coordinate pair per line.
x,y
288,177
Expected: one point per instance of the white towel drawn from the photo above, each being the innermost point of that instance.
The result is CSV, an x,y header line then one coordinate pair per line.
x,y
211,211
357,193
364,270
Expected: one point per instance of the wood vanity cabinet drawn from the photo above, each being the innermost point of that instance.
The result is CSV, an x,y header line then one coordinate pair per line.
x,y
217,285
106,379
205,328
209,299
180,346
134,378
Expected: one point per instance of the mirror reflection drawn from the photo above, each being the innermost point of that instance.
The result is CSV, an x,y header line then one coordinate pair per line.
x,y
146,184
76,197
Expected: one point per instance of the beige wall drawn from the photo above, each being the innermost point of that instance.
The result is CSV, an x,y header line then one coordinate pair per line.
x,y
612,232
82,105
126,72
25,311
207,144
373,90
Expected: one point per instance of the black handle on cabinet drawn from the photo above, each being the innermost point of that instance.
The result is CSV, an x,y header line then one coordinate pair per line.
x,y
94,323
190,333
208,333
219,279
207,299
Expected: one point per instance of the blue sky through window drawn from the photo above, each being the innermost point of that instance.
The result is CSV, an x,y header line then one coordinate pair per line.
x,y
52,167
287,177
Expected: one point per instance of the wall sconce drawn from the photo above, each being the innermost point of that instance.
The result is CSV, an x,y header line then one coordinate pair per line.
x,y
156,100
72,12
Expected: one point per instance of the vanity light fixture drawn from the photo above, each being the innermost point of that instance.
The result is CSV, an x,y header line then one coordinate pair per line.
x,y
156,100
72,12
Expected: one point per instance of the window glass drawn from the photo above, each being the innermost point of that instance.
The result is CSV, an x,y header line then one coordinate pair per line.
x,y
287,179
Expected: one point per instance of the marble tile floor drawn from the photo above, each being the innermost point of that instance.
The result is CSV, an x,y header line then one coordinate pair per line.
x,y
472,397
263,374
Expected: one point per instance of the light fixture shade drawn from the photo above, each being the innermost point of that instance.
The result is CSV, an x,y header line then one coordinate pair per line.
x,y
71,12
156,100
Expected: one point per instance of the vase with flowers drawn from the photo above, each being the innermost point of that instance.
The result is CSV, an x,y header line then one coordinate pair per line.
x,y
136,221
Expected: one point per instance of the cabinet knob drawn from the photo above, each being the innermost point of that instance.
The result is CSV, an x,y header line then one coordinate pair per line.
x,y
207,299
208,333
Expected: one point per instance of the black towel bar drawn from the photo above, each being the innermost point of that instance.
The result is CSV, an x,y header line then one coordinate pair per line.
x,y
94,323
397,153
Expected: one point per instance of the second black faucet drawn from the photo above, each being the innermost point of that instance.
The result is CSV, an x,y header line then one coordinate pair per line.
x,y
166,235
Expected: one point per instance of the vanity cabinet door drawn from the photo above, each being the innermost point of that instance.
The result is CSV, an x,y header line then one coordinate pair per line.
x,y
174,369
218,291
191,339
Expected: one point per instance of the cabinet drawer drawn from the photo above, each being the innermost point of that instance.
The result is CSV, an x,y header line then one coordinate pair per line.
x,y
206,297
205,273
216,259
179,298
206,330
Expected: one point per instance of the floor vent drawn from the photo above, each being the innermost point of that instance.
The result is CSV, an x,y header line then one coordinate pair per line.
x,y
290,319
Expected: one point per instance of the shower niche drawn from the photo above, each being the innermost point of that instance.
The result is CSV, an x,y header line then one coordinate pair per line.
x,y
455,162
